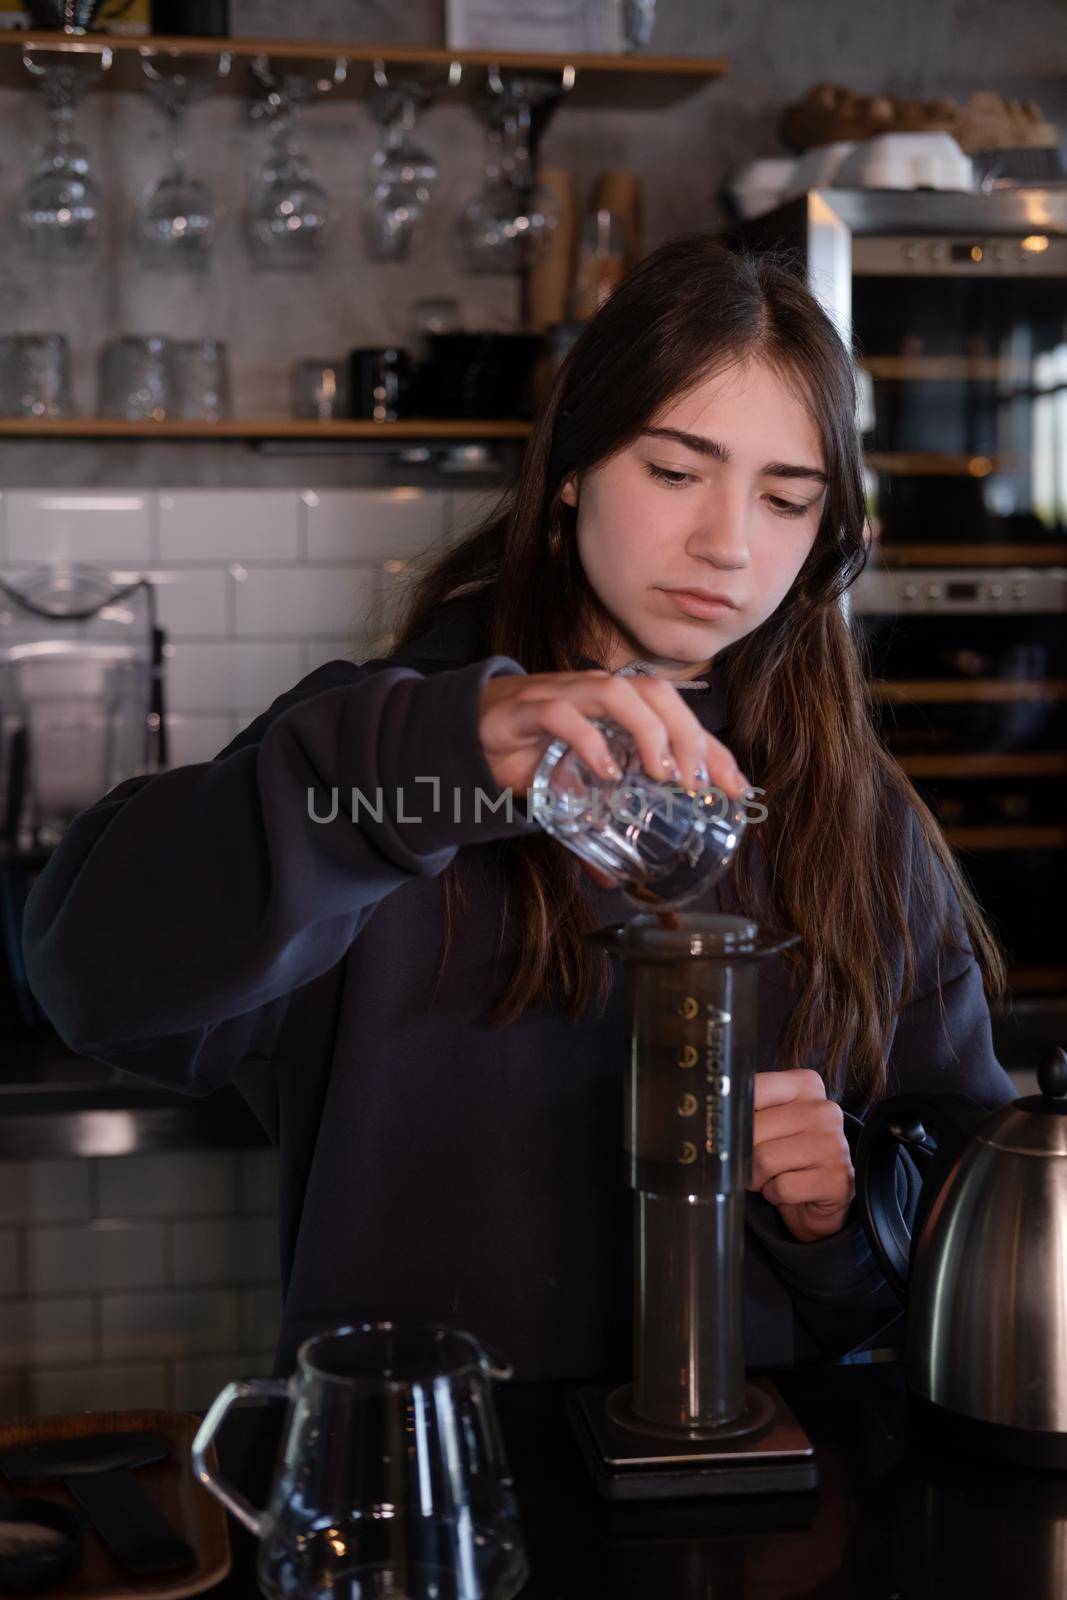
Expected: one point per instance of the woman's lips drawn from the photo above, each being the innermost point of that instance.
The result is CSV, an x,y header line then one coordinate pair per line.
x,y
696,606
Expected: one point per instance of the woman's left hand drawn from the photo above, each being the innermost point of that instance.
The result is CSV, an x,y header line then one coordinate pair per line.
x,y
801,1161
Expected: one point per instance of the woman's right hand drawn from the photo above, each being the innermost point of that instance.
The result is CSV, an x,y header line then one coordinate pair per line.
x,y
521,714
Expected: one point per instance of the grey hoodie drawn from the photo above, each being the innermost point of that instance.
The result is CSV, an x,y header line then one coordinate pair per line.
x,y
199,927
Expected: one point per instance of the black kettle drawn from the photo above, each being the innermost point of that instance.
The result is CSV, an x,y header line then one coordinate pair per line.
x,y
983,1268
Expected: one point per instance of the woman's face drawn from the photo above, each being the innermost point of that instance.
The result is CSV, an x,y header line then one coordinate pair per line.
x,y
723,493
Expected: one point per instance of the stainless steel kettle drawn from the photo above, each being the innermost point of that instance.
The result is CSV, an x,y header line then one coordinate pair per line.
x,y
983,1269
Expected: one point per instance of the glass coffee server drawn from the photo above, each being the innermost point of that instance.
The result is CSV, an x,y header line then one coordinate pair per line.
x,y
957,304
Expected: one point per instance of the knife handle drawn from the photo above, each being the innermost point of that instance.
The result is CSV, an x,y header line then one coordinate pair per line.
x,y
130,1523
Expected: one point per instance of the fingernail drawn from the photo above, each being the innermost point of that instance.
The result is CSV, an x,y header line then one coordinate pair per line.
x,y
612,770
701,775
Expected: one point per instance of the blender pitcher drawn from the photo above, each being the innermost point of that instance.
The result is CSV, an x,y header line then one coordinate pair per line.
x,y
392,1482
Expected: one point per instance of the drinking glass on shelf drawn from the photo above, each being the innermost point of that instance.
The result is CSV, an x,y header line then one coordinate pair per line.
x,y
176,220
639,19
508,222
402,175
200,380
318,390
380,383
35,376
59,208
135,378
288,214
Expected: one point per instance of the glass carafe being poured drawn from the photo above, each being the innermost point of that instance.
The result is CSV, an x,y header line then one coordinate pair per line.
x,y
659,842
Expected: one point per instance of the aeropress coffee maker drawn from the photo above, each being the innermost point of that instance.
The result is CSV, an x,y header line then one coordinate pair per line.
x,y
689,1424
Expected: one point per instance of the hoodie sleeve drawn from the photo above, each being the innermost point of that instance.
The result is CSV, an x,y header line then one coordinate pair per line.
x,y
942,1043
178,913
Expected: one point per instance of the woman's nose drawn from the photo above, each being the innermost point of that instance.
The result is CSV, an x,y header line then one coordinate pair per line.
x,y
722,536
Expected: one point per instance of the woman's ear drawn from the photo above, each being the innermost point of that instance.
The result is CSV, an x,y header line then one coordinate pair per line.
x,y
569,492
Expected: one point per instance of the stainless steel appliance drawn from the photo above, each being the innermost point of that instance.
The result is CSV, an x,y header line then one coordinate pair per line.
x,y
957,306
689,1423
983,1270
81,708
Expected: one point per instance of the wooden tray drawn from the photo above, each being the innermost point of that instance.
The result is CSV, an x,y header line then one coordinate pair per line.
x,y
199,1517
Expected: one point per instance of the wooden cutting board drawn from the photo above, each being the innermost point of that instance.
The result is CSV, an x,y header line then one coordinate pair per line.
x,y
199,1517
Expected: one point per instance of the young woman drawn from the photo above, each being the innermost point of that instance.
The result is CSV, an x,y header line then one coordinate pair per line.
x,y
400,988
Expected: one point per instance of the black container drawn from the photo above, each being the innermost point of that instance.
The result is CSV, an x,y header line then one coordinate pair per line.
x,y
380,383
199,19
35,1568
478,375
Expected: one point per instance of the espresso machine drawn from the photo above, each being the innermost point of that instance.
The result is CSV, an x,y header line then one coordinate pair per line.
x,y
690,1424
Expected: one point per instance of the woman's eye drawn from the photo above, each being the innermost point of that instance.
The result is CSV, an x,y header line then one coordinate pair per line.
x,y
786,508
672,480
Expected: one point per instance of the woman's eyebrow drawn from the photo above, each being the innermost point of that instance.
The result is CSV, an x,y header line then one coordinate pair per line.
x,y
718,452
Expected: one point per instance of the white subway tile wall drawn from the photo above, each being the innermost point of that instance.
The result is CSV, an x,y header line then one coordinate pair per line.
x,y
161,1268
96,525
150,1280
228,524
255,587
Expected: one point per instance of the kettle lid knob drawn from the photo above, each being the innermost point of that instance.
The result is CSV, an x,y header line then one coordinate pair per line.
x,y
1052,1073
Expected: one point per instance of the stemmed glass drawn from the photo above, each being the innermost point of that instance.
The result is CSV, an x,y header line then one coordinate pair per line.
x,y
288,215
69,16
508,222
59,211
176,219
639,19
402,175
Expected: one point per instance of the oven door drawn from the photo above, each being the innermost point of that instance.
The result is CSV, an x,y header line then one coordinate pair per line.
x,y
964,342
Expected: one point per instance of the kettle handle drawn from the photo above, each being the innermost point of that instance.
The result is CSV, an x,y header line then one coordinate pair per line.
x,y
938,1129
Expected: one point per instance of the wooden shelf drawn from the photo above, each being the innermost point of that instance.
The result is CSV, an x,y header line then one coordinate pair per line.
x,y
258,428
1033,764
1038,980
970,555
1001,838
630,82
926,369
909,691
934,464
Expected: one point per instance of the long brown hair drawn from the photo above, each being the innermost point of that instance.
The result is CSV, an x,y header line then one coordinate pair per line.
x,y
802,727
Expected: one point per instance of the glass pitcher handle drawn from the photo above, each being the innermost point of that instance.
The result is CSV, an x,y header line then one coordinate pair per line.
x,y
494,1365
232,1499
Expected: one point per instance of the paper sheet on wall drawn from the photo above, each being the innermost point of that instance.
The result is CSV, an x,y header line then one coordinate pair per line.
x,y
588,27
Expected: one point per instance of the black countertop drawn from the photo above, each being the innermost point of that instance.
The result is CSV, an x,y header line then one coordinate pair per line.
x,y
893,1519
54,1102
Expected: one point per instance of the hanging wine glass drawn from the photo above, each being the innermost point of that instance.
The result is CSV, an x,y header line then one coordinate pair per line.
x,y
68,16
59,209
288,215
176,221
639,19
402,175
509,221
